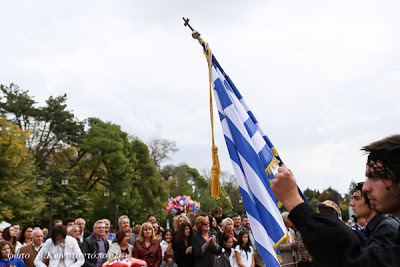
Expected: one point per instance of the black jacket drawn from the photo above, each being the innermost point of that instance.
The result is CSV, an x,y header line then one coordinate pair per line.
x,y
381,231
181,258
332,243
204,257
90,249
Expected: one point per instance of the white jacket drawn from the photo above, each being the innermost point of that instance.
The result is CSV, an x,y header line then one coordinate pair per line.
x,y
115,252
73,256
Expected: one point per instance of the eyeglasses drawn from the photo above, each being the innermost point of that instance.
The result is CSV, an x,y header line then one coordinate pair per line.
x,y
100,228
206,223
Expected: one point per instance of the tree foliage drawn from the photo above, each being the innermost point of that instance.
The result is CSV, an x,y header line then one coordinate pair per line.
x,y
49,141
17,172
52,126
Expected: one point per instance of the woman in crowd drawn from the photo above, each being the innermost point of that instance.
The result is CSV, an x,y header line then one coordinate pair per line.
x,y
179,220
227,258
157,231
26,235
183,246
147,248
214,229
227,229
205,245
7,259
244,251
63,250
10,235
166,243
121,248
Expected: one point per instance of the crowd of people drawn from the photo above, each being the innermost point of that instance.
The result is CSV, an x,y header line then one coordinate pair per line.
x,y
320,239
209,240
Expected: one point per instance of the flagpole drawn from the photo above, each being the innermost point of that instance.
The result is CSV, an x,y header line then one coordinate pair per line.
x,y
216,168
195,33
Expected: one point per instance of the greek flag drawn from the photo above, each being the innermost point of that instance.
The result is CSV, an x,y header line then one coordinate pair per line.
x,y
253,157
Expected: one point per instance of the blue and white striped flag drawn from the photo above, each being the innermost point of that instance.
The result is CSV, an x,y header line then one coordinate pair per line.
x,y
252,156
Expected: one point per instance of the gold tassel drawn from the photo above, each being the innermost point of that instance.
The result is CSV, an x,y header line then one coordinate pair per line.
x,y
279,258
285,237
215,172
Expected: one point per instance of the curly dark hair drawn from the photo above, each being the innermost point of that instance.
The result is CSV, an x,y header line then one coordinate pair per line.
x,y
180,236
56,231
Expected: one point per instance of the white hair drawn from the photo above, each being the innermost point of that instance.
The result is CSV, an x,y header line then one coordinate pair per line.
x,y
76,221
69,229
122,217
98,221
225,221
36,230
107,220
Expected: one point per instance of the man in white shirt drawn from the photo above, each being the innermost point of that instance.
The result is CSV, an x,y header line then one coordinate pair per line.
x,y
82,233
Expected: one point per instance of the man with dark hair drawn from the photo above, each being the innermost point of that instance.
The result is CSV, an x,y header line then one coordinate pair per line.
x,y
151,218
68,222
380,230
237,224
217,213
330,241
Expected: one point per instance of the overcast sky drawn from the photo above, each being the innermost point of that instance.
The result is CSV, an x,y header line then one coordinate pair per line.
x,y
322,77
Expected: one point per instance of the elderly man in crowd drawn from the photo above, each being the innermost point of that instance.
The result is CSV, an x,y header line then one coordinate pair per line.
x,y
73,230
83,234
29,252
95,247
124,223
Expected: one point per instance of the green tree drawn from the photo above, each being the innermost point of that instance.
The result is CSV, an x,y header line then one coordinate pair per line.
x,y
20,199
52,126
147,188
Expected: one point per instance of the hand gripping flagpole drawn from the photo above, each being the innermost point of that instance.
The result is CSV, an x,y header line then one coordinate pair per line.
x,y
215,169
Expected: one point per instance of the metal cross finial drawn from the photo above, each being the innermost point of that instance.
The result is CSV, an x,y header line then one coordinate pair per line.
x,y
195,34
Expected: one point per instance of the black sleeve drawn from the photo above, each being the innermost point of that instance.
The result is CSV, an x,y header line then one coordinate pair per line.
x,y
384,234
86,254
197,246
332,243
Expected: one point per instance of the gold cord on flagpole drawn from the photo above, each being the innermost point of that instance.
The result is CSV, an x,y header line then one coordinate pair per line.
x,y
215,169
